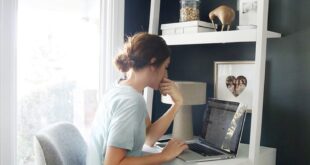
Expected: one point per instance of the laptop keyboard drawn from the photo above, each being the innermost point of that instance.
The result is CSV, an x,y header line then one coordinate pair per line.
x,y
202,150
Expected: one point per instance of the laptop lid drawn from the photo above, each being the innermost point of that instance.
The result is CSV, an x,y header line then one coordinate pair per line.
x,y
223,124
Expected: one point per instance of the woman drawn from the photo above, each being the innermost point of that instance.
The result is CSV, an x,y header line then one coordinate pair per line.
x,y
122,125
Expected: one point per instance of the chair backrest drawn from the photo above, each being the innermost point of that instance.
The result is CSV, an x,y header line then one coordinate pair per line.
x,y
60,144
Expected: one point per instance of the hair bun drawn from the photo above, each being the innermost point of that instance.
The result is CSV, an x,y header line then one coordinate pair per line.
x,y
123,63
139,50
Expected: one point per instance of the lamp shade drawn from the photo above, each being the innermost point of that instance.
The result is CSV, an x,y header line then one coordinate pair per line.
x,y
194,93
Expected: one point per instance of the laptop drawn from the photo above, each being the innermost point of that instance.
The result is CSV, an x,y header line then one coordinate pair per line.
x,y
221,132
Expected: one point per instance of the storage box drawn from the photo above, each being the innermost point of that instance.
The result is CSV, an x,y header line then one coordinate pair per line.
x,y
187,27
186,30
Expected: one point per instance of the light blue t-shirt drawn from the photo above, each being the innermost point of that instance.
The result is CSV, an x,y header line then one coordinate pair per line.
x,y
119,122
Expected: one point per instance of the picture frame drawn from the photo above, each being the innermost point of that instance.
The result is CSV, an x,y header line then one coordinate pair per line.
x,y
248,13
234,81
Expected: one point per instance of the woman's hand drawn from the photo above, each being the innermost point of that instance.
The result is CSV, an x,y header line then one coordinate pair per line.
x,y
173,149
169,87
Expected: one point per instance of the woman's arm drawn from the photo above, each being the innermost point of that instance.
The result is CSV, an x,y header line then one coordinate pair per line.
x,y
117,156
160,126
157,129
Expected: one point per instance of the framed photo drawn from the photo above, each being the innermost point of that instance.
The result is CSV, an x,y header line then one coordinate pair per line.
x,y
234,80
247,12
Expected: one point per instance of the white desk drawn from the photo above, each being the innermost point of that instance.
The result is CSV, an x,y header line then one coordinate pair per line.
x,y
267,157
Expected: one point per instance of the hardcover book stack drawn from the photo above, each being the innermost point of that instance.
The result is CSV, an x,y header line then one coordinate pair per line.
x,y
187,27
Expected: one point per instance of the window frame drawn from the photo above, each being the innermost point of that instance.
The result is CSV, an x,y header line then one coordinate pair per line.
x,y
112,39
8,69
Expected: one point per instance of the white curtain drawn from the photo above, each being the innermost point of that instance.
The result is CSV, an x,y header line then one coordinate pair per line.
x,y
112,26
8,18
112,38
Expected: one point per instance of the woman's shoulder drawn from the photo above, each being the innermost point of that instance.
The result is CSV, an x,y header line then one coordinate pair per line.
x,y
122,93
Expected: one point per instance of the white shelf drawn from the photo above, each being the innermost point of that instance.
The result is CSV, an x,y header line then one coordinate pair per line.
x,y
267,157
216,37
259,37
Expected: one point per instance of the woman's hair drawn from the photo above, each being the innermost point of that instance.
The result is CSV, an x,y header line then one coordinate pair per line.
x,y
139,50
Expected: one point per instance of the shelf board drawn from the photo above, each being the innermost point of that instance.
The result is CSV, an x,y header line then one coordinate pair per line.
x,y
267,156
216,37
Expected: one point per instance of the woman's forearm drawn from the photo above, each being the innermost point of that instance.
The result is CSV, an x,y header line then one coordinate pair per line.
x,y
154,159
159,127
117,156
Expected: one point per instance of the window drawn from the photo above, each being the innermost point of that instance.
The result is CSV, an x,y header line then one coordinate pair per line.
x,y
58,67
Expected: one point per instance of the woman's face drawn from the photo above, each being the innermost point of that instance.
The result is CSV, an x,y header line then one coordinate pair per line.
x,y
158,74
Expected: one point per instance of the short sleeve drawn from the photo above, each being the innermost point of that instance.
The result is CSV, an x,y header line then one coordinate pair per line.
x,y
125,120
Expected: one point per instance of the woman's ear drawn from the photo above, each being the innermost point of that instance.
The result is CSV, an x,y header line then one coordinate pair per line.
x,y
152,67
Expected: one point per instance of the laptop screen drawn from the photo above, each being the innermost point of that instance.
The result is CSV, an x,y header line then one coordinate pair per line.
x,y
223,123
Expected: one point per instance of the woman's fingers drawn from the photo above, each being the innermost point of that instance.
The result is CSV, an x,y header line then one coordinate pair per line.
x,y
173,149
165,83
167,80
165,88
184,146
180,142
167,91
169,87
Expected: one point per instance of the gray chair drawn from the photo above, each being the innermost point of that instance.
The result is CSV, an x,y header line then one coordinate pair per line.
x,y
60,144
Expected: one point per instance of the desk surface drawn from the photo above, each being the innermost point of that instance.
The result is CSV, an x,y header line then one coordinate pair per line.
x,y
267,157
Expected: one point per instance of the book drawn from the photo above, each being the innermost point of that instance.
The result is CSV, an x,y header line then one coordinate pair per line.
x,y
187,24
186,30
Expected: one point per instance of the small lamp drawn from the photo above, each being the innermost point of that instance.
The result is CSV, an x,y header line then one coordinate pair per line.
x,y
194,93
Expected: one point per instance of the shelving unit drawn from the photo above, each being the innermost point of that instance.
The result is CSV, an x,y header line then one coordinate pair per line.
x,y
216,37
259,36
267,156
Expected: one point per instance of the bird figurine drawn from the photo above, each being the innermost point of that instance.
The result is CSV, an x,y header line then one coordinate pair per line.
x,y
225,14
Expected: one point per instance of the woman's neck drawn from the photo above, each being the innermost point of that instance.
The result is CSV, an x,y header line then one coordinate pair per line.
x,y
135,81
